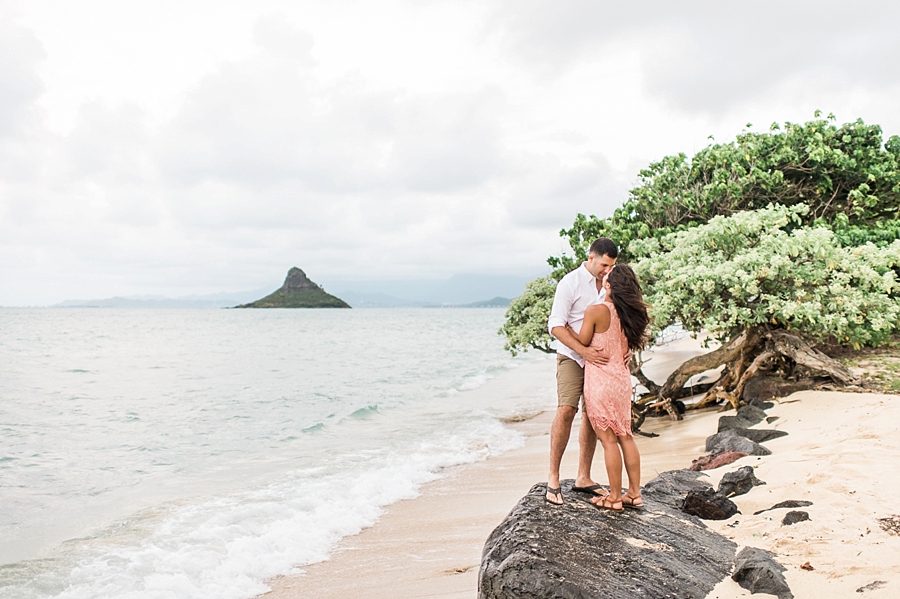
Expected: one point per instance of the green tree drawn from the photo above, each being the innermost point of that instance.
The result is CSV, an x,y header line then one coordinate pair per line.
x,y
769,243
847,175
526,318
764,285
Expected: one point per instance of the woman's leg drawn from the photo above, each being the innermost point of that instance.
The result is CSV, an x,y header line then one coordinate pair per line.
x,y
613,459
632,464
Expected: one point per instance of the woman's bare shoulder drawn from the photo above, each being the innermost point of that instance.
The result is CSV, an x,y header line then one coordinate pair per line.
x,y
597,309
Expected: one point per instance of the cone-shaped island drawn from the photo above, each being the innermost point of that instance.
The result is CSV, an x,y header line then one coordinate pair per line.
x,y
298,292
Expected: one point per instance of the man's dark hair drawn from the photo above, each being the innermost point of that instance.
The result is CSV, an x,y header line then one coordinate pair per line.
x,y
604,247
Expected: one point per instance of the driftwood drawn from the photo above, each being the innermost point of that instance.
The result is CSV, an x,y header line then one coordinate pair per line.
x,y
744,356
635,366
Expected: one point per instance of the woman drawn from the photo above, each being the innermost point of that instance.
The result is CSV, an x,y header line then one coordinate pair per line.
x,y
616,327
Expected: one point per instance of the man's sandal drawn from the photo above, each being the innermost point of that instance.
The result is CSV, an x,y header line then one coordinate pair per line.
x,y
635,503
606,504
556,493
595,490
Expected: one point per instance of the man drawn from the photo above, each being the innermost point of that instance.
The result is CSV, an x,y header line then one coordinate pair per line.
x,y
575,292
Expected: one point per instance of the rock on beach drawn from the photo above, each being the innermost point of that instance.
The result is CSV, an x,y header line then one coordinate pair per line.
x,y
656,552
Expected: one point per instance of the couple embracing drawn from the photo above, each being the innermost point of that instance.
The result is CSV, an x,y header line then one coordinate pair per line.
x,y
599,318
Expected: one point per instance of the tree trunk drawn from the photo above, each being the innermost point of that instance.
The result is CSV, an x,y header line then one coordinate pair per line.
x,y
729,352
735,396
800,351
735,353
635,366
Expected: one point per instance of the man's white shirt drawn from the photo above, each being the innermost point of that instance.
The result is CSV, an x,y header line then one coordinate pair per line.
x,y
574,294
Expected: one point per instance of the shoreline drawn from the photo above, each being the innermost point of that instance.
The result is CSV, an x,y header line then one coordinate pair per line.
x,y
430,546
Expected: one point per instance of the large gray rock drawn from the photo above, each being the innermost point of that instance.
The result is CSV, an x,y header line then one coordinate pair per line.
x,y
756,571
760,435
738,482
731,440
577,551
730,422
752,413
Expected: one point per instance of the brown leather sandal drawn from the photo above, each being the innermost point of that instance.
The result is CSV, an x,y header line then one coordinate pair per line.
x,y
606,504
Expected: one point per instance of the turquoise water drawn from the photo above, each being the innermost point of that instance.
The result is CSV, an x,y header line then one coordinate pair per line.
x,y
166,453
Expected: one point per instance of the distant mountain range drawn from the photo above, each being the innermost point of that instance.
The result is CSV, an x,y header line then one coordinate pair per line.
x,y
462,290
458,290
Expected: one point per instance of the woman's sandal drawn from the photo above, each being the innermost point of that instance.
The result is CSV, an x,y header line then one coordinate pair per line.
x,y
556,493
606,504
635,503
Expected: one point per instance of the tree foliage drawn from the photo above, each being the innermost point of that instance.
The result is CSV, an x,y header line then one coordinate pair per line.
x,y
526,318
763,269
847,176
768,243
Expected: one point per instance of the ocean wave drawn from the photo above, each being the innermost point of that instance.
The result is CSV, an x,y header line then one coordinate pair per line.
x,y
227,547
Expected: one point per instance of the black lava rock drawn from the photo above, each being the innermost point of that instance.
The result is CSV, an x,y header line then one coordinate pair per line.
x,y
708,505
756,571
730,422
794,516
731,440
738,482
671,487
752,414
760,435
576,551
762,405
784,504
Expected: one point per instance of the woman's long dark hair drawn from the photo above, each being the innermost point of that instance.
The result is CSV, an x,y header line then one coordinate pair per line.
x,y
629,302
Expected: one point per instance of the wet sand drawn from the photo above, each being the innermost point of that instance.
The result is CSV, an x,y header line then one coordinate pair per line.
x,y
842,453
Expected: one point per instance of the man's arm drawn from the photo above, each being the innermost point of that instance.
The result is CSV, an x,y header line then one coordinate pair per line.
x,y
589,354
559,313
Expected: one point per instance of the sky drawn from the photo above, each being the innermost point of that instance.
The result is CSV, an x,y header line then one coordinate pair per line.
x,y
190,147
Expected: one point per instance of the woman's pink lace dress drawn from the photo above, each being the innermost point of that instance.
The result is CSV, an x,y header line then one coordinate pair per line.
x,y
607,388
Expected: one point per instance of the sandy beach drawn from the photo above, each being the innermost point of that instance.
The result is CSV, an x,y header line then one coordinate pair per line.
x,y
841,453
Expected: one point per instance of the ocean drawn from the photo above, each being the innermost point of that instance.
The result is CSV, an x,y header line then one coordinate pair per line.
x,y
198,453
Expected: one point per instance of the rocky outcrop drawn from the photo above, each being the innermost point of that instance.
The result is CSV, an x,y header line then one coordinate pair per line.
x,y
298,292
578,551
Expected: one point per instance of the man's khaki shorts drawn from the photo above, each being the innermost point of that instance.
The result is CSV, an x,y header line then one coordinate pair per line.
x,y
569,381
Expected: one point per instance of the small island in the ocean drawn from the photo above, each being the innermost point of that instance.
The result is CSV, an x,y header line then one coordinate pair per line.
x,y
298,292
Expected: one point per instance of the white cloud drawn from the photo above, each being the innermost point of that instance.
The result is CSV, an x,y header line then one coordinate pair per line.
x,y
199,146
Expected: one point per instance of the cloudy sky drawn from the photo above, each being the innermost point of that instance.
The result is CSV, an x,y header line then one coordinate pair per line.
x,y
193,146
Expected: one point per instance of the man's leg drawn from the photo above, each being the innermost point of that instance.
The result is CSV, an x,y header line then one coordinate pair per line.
x,y
559,438
569,386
